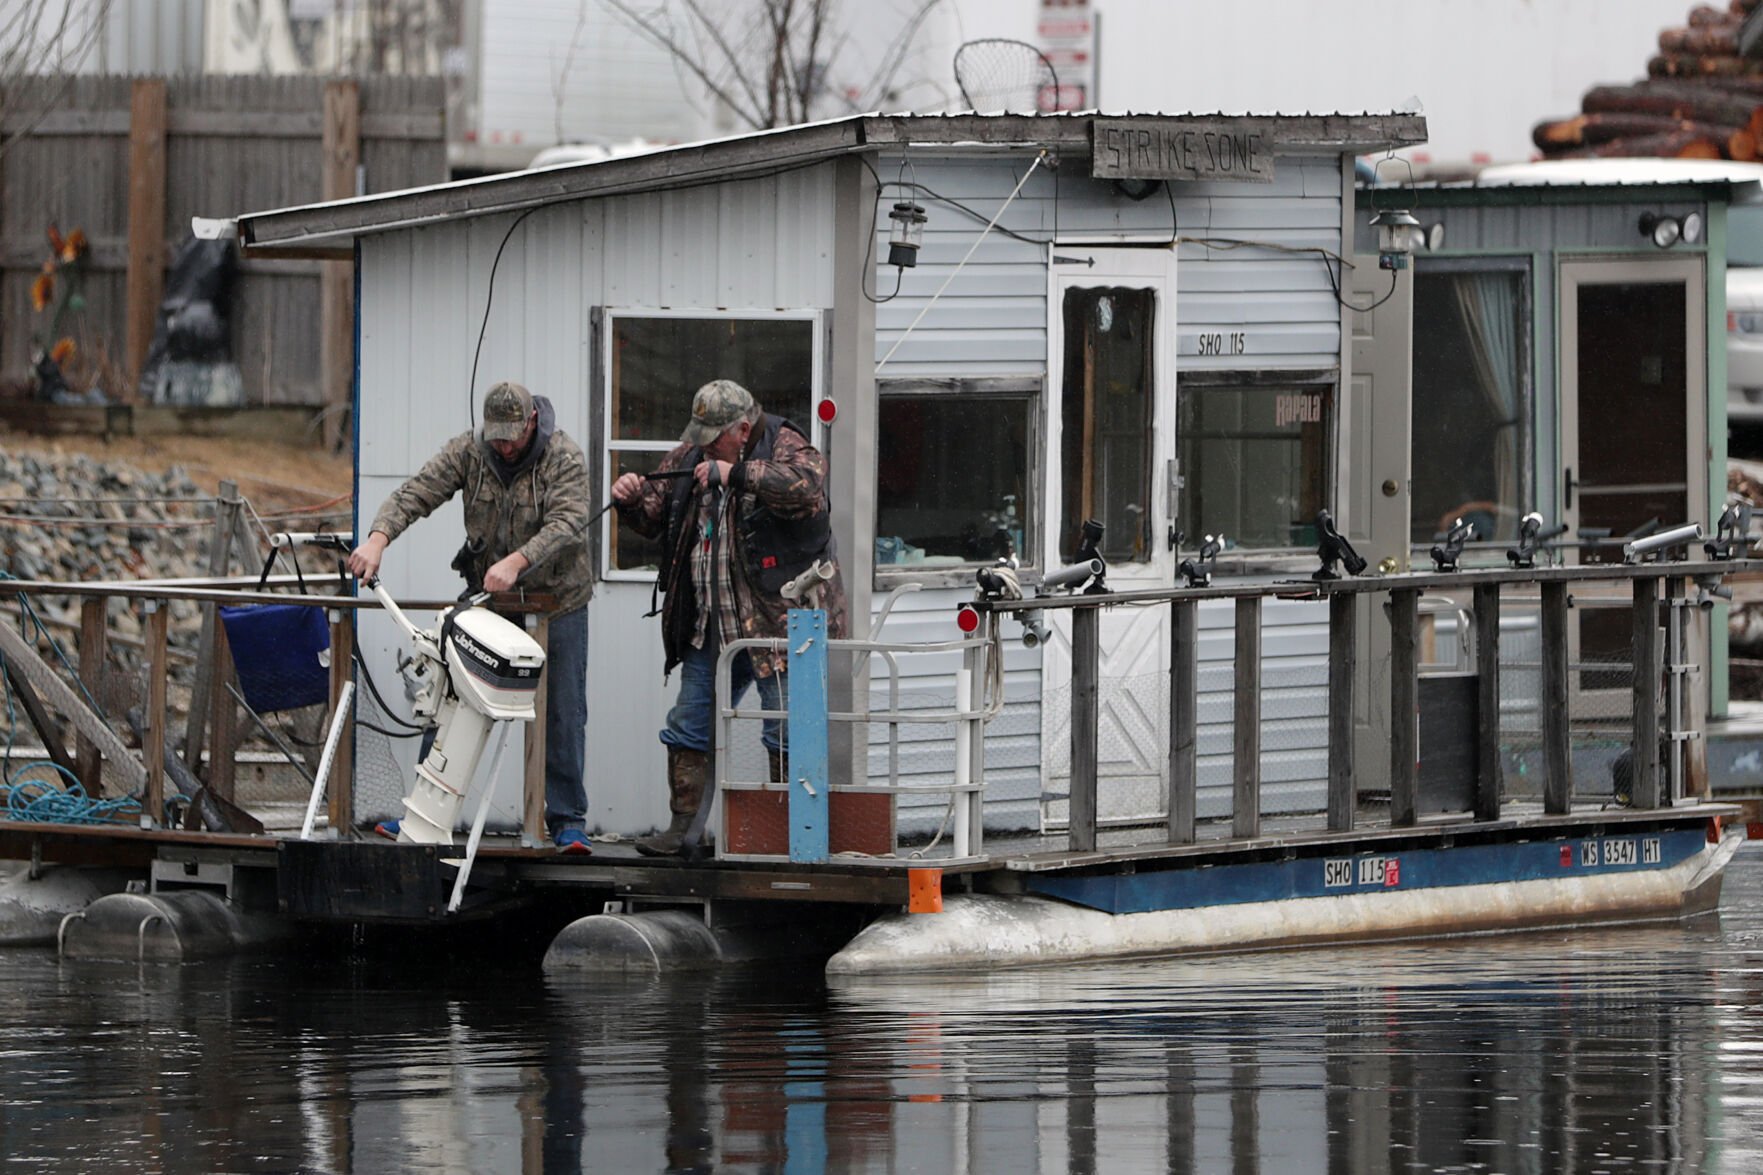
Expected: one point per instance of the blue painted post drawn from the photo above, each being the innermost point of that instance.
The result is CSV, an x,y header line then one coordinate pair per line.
x,y
810,809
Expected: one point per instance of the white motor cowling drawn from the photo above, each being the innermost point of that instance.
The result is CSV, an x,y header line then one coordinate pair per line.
x,y
493,663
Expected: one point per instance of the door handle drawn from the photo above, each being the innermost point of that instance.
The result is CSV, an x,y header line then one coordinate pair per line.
x,y
1567,490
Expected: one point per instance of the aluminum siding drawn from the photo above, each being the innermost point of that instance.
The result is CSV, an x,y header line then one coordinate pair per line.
x,y
992,321
423,302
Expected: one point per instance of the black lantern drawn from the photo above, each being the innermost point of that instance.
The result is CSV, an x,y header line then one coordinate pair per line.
x,y
906,235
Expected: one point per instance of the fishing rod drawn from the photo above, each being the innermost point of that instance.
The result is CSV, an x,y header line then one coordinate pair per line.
x,y
667,475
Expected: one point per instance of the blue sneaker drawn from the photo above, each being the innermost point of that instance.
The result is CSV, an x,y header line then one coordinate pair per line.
x,y
572,840
388,829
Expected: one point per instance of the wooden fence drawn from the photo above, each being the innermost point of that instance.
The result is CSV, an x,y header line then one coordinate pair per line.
x,y
129,161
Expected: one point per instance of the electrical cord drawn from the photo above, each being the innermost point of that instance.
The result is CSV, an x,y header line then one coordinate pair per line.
x,y
484,326
367,676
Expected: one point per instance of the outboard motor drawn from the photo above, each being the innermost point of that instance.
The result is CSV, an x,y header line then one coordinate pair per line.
x,y
476,670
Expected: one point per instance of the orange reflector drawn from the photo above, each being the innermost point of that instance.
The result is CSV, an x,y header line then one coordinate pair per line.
x,y
924,891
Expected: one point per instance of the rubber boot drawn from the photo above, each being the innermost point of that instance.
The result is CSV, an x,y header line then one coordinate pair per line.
x,y
686,773
778,763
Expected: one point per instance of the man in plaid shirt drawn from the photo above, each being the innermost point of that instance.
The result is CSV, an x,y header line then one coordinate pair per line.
x,y
752,516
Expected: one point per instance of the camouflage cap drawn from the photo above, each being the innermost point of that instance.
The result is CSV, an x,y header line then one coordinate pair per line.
x,y
507,406
718,404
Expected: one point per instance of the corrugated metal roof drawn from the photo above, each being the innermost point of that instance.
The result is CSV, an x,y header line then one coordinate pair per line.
x,y
1625,173
328,227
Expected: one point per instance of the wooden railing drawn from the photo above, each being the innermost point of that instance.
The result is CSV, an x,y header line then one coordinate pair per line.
x,y
100,750
1653,583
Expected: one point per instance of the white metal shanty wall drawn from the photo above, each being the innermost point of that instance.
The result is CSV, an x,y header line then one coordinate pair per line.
x,y
768,244
993,321
752,244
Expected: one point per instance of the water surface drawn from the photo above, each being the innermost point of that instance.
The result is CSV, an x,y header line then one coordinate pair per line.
x,y
1637,1049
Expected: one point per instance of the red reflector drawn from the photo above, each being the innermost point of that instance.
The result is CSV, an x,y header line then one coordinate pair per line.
x,y
827,411
1566,856
967,620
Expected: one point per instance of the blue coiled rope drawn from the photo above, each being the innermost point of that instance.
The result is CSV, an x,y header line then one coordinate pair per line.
x,y
61,798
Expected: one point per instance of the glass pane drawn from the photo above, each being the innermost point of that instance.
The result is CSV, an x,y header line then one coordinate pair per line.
x,y
1254,463
1633,368
657,363
952,480
1472,419
630,550
1105,459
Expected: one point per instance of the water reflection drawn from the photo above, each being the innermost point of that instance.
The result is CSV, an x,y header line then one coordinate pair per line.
x,y
1594,1051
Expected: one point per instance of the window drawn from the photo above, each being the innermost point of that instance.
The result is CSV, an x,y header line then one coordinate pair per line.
x,y
1472,432
1254,462
1105,421
657,360
953,479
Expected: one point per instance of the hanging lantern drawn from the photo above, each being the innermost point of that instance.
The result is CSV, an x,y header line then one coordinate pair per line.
x,y
1398,236
906,235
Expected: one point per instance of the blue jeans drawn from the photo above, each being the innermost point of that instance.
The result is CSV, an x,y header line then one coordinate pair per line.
x,y
566,721
688,723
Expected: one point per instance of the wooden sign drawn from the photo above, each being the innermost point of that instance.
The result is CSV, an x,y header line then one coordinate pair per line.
x,y
1182,149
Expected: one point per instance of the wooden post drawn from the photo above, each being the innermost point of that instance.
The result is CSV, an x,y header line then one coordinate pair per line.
x,y
146,266
1343,670
220,545
1646,693
1245,819
533,830
342,155
1085,697
1489,781
94,649
1184,719
1557,762
47,729
1404,706
1695,649
341,810
223,720
153,737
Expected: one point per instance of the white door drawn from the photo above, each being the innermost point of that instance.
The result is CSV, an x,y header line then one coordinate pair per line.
x,y
1376,483
1111,452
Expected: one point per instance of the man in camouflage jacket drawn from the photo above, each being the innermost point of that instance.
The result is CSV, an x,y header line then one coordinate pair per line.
x,y
525,487
752,516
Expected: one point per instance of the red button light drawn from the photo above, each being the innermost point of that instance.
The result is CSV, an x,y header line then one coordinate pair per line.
x,y
827,411
967,620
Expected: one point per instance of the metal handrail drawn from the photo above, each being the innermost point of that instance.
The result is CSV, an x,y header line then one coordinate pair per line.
x,y
968,778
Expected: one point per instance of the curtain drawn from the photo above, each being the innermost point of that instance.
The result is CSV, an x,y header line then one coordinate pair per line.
x,y
1489,305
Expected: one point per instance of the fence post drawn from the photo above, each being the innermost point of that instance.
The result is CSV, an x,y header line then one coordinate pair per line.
x,y
1557,765
342,157
810,805
1343,676
94,649
145,282
1646,693
223,719
1085,672
153,737
1489,777
1184,719
220,545
533,831
1245,818
1404,706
